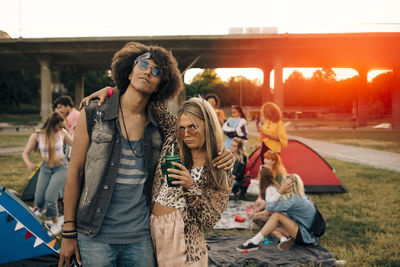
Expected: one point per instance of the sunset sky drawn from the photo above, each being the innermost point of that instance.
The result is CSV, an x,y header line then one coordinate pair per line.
x,y
79,18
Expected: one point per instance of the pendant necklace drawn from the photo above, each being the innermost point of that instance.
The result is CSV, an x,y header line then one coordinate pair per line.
x,y
126,132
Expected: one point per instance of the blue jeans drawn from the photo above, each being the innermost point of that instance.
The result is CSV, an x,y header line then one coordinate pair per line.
x,y
137,254
50,186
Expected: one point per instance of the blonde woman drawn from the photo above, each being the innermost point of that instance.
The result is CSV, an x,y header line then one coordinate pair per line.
x,y
180,214
293,214
239,168
50,140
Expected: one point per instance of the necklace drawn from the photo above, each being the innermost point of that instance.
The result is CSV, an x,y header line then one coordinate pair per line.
x,y
126,132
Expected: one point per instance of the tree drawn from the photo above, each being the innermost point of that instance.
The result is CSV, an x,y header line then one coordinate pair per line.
x,y
205,82
17,89
251,93
380,90
93,81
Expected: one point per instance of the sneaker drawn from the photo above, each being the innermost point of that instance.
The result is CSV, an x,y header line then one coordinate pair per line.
x,y
48,223
247,246
35,211
55,229
285,245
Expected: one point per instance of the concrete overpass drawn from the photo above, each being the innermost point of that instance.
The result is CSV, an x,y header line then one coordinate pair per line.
x,y
361,51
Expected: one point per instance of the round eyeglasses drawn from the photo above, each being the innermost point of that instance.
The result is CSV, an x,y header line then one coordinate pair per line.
x,y
145,64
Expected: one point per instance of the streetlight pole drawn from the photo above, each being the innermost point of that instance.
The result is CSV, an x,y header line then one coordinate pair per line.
x,y
241,91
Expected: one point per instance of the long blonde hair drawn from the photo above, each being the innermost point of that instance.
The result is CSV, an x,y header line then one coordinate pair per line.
x,y
277,168
240,152
297,185
49,130
213,134
265,179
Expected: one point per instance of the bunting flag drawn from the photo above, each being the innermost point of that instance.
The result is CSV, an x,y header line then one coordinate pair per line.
x,y
38,241
52,243
28,234
9,218
18,226
23,234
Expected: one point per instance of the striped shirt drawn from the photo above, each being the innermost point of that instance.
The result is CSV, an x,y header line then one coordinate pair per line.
x,y
127,217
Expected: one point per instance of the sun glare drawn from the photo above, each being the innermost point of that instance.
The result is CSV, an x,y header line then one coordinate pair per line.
x,y
256,74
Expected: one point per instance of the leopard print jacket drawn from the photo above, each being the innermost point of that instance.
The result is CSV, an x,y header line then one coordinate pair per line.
x,y
204,204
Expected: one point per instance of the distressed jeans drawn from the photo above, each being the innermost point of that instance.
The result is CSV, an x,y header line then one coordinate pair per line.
x,y
139,254
50,186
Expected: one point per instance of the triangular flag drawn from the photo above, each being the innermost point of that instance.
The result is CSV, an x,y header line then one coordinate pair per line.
x,y
38,241
18,226
9,218
1,208
52,243
28,234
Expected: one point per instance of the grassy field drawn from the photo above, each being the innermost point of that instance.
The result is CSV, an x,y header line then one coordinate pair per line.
x,y
362,225
375,139
20,118
14,139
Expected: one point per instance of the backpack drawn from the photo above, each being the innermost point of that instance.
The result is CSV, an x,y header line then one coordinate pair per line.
x,y
318,225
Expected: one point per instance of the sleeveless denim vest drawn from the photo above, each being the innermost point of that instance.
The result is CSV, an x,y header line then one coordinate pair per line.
x,y
102,162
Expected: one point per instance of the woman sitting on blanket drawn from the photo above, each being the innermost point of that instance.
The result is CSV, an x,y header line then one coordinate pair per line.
x,y
293,214
273,161
268,186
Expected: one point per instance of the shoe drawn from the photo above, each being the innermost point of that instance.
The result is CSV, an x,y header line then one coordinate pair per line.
x,y
285,245
35,211
48,223
55,229
247,246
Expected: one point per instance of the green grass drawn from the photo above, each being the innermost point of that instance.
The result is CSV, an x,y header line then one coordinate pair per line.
x,y
13,172
385,140
20,118
14,139
362,225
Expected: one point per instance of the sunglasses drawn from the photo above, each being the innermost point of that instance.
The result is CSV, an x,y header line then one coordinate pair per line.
x,y
145,64
191,131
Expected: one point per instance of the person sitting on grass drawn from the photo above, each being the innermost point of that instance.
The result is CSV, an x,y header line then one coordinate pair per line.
x,y
293,214
268,187
273,161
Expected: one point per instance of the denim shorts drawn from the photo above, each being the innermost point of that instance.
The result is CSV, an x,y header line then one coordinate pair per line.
x,y
113,255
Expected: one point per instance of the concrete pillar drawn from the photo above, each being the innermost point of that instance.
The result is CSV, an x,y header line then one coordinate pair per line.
x,y
362,97
278,86
265,88
45,89
396,99
79,86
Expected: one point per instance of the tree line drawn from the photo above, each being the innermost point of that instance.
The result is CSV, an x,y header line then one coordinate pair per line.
x,y
20,90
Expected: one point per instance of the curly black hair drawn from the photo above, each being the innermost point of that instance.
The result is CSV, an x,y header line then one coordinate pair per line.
x,y
171,79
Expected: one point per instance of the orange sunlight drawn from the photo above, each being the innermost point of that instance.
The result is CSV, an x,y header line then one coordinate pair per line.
x,y
256,74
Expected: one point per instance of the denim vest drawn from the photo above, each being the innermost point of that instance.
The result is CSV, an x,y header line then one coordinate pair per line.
x,y
102,162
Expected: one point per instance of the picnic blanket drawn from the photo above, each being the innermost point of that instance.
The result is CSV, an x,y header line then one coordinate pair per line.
x,y
223,253
227,220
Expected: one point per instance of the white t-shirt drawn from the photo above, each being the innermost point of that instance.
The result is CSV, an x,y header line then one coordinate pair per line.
x,y
272,194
